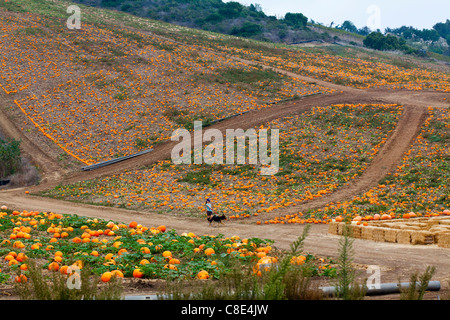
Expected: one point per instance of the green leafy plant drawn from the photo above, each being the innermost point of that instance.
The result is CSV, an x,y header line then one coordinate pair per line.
x,y
347,287
4,277
40,286
9,157
418,285
238,281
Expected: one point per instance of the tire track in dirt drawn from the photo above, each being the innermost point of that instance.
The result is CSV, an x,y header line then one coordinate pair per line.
x,y
245,121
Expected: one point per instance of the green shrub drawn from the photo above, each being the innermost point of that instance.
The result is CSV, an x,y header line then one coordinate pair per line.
x,y
283,281
347,287
417,286
9,157
40,286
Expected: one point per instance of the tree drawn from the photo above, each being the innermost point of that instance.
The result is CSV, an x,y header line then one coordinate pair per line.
x,y
231,9
247,30
365,31
348,26
255,7
378,41
443,28
9,157
430,35
375,40
296,20
112,3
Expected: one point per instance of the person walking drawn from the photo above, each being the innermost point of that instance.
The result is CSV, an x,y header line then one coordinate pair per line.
x,y
209,210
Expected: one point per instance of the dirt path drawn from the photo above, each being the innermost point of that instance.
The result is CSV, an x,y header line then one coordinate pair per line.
x,y
395,260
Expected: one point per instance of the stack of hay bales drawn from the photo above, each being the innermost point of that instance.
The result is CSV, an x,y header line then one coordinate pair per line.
x,y
443,240
416,231
441,231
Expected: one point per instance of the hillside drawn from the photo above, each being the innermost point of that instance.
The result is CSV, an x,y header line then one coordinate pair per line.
x,y
250,21
230,18
363,134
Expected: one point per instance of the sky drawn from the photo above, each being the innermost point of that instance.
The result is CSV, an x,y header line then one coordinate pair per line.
x,y
372,13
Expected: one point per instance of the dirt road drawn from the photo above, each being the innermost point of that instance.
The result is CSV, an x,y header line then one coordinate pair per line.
x,y
396,260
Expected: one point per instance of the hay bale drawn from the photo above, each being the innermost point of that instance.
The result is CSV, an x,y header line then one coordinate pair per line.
x,y
404,236
411,227
439,218
390,235
437,229
355,231
376,223
333,227
417,225
432,222
378,234
443,240
421,237
392,225
367,232
340,228
406,226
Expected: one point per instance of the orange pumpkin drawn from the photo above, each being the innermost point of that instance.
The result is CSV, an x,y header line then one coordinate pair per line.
x,y
203,275
133,224
21,279
137,273
106,276
117,273
54,266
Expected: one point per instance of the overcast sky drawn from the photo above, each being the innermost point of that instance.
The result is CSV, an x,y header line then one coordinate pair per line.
x,y
383,13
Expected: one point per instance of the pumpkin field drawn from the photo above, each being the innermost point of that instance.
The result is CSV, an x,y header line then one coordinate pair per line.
x,y
112,249
363,139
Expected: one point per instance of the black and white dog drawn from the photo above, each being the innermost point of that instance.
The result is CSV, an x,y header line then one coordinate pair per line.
x,y
216,218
